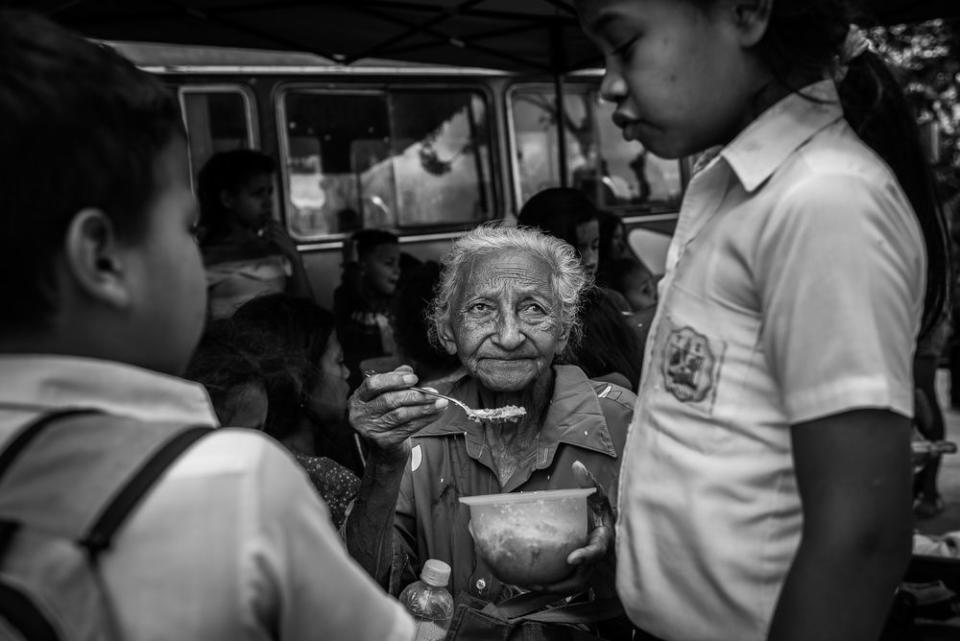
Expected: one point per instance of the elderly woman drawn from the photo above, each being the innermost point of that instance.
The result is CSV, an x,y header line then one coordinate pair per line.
x,y
507,308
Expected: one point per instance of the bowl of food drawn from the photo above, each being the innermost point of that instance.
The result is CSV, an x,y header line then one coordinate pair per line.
x,y
526,537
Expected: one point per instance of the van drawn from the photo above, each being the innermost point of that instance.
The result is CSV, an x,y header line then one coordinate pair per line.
x,y
425,151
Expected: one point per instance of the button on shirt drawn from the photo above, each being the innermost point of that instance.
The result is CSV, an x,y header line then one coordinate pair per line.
x,y
232,543
793,291
585,421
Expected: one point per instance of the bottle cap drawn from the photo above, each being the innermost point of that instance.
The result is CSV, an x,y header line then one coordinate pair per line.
x,y
435,573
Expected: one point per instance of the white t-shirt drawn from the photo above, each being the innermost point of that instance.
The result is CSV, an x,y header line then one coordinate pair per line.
x,y
793,291
233,543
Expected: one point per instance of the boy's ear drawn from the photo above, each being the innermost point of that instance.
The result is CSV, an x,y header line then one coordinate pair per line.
x,y
751,17
93,258
445,334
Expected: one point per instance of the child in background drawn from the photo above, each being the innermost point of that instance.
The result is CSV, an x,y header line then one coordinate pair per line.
x,y
766,481
256,381
613,246
363,312
105,300
246,252
309,416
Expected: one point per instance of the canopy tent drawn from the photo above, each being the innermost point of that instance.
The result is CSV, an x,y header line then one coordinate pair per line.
x,y
517,35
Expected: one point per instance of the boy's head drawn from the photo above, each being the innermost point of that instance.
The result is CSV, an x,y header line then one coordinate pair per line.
x,y
97,255
235,188
378,253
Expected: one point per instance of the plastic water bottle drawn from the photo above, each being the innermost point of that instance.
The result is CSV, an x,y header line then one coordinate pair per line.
x,y
429,601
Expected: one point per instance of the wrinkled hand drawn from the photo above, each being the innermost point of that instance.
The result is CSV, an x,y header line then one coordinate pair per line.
x,y
599,547
386,413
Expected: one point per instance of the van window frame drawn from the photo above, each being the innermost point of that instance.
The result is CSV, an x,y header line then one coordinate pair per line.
x,y
249,110
336,86
589,79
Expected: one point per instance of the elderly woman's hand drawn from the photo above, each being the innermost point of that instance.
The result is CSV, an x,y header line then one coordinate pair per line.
x,y
385,412
598,552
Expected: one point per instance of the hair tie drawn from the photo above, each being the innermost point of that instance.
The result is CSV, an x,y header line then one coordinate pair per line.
x,y
854,45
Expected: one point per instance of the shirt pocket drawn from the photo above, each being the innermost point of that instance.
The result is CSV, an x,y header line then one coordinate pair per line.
x,y
704,354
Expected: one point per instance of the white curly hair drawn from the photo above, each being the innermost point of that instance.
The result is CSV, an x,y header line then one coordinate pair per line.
x,y
568,277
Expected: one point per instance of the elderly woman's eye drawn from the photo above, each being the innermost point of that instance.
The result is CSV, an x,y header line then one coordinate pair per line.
x,y
535,308
479,308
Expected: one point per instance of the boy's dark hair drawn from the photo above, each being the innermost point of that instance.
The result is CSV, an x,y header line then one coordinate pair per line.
x,y
806,38
608,344
558,211
366,240
80,126
226,170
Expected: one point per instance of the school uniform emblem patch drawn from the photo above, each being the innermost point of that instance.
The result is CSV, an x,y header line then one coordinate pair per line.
x,y
688,365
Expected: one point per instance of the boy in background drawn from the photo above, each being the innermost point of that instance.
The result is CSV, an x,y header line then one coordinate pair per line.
x,y
104,301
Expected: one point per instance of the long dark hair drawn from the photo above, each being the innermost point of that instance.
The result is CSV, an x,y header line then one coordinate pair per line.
x,y
803,40
301,328
232,354
558,211
608,344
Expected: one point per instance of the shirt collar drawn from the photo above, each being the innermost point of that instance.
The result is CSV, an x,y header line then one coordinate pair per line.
x,y
574,416
46,383
768,141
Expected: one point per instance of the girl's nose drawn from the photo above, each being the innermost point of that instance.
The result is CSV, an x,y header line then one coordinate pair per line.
x,y
613,87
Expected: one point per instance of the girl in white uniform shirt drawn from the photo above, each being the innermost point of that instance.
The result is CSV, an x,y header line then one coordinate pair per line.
x,y
766,485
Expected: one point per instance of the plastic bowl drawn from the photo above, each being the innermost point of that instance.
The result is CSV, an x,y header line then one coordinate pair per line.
x,y
526,537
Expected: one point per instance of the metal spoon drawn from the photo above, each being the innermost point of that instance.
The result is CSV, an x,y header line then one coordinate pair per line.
x,y
498,415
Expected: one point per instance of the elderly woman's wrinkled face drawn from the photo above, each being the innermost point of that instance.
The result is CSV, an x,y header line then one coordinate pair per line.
x,y
505,325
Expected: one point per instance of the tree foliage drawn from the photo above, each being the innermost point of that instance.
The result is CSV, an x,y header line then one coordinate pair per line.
x,y
926,56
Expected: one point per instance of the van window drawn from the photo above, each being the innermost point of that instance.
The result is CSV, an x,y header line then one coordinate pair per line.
x,y
618,175
408,159
218,118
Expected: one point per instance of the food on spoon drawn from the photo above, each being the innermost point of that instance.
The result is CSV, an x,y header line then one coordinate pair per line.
x,y
505,413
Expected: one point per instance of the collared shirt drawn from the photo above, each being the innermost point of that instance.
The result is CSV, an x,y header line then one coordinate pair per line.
x,y
232,283
585,421
232,543
793,291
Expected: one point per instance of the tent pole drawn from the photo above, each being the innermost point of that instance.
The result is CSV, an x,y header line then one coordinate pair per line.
x,y
557,59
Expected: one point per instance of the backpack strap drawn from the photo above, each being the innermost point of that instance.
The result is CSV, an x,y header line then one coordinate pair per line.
x,y
27,434
24,616
82,474
100,536
9,454
80,480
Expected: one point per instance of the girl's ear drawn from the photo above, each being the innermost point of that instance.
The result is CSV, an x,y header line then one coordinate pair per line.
x,y
227,198
751,17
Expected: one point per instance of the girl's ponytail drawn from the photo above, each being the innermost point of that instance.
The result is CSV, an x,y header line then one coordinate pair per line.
x,y
876,107
804,39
